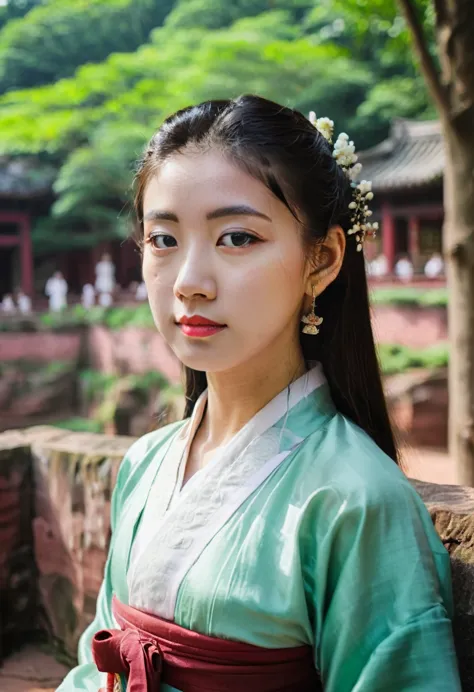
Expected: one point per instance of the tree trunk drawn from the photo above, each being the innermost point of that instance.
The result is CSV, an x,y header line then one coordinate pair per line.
x,y
459,253
455,26
453,93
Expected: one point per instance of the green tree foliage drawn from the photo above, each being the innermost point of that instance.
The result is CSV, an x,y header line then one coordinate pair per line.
x,y
12,9
375,35
262,55
54,38
217,14
349,60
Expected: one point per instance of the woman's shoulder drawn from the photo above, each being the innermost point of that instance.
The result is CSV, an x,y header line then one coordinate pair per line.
x,y
351,465
349,485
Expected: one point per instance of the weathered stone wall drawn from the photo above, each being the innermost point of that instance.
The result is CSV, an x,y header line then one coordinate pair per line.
x,y
73,475
452,510
73,479
32,393
18,601
45,346
135,349
131,350
416,327
418,405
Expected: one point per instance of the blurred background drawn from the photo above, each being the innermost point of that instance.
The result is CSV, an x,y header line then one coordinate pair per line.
x,y
83,85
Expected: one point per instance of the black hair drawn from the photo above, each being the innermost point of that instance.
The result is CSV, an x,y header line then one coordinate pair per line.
x,y
281,148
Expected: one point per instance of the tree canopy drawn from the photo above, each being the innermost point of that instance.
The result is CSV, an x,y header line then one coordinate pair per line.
x,y
86,83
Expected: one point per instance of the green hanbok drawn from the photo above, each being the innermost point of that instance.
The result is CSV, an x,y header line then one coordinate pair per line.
x,y
299,531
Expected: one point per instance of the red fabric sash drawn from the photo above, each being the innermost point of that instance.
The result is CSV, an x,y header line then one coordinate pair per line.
x,y
151,651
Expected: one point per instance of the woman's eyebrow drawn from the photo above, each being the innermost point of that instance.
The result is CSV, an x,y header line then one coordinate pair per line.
x,y
221,212
157,215
236,210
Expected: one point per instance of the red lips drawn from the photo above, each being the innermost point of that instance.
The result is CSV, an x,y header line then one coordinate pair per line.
x,y
198,321
199,327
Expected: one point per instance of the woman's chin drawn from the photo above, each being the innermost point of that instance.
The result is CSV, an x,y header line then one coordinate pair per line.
x,y
206,362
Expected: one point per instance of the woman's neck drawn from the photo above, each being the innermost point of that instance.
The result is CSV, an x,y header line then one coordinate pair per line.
x,y
234,397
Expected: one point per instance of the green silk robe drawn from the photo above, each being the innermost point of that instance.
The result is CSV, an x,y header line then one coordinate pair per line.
x,y
299,530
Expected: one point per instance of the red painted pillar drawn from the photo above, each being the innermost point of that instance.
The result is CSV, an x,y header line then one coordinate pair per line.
x,y
388,235
26,257
414,240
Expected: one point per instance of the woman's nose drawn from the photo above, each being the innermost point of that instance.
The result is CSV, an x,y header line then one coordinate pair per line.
x,y
195,281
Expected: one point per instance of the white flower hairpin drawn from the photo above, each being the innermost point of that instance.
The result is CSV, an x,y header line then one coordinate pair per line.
x,y
344,153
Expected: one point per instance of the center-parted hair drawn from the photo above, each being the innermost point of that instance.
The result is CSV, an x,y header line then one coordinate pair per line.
x,y
281,148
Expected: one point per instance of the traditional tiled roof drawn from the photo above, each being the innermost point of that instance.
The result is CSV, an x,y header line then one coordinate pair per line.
x,y
413,156
25,177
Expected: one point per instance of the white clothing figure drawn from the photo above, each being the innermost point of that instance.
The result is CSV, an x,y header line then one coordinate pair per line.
x,y
105,300
434,267
88,296
24,303
141,293
379,267
105,275
404,269
8,304
56,289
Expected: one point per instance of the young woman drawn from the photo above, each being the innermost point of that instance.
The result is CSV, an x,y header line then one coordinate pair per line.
x,y
269,541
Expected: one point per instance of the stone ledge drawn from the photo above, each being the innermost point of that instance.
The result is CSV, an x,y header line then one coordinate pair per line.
x,y
452,511
72,476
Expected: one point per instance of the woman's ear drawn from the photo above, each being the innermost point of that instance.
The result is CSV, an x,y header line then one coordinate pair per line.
x,y
326,262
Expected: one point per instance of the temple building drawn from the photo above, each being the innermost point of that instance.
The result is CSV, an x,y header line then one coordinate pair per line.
x,y
25,194
406,171
27,255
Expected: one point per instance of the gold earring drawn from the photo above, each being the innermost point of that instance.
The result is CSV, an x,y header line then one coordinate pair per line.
x,y
311,320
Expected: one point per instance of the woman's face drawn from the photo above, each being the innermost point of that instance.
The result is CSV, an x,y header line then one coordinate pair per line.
x,y
220,246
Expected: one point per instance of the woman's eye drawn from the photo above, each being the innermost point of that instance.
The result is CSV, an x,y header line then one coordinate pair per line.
x,y
238,239
162,241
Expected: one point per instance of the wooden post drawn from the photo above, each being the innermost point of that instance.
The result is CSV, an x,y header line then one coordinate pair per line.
x,y
414,240
388,236
26,257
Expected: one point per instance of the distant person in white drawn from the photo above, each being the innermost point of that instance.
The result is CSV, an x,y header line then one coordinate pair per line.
x,y
88,296
24,303
105,300
105,280
56,290
404,269
8,304
141,293
378,268
105,275
435,266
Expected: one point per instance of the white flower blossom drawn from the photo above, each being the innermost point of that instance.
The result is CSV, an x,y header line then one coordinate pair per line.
x,y
325,126
365,186
344,153
354,172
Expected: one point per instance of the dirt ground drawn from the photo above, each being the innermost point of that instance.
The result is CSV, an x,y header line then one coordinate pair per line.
x,y
31,670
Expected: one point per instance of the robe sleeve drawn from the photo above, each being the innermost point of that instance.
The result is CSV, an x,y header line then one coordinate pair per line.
x,y
85,677
384,604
